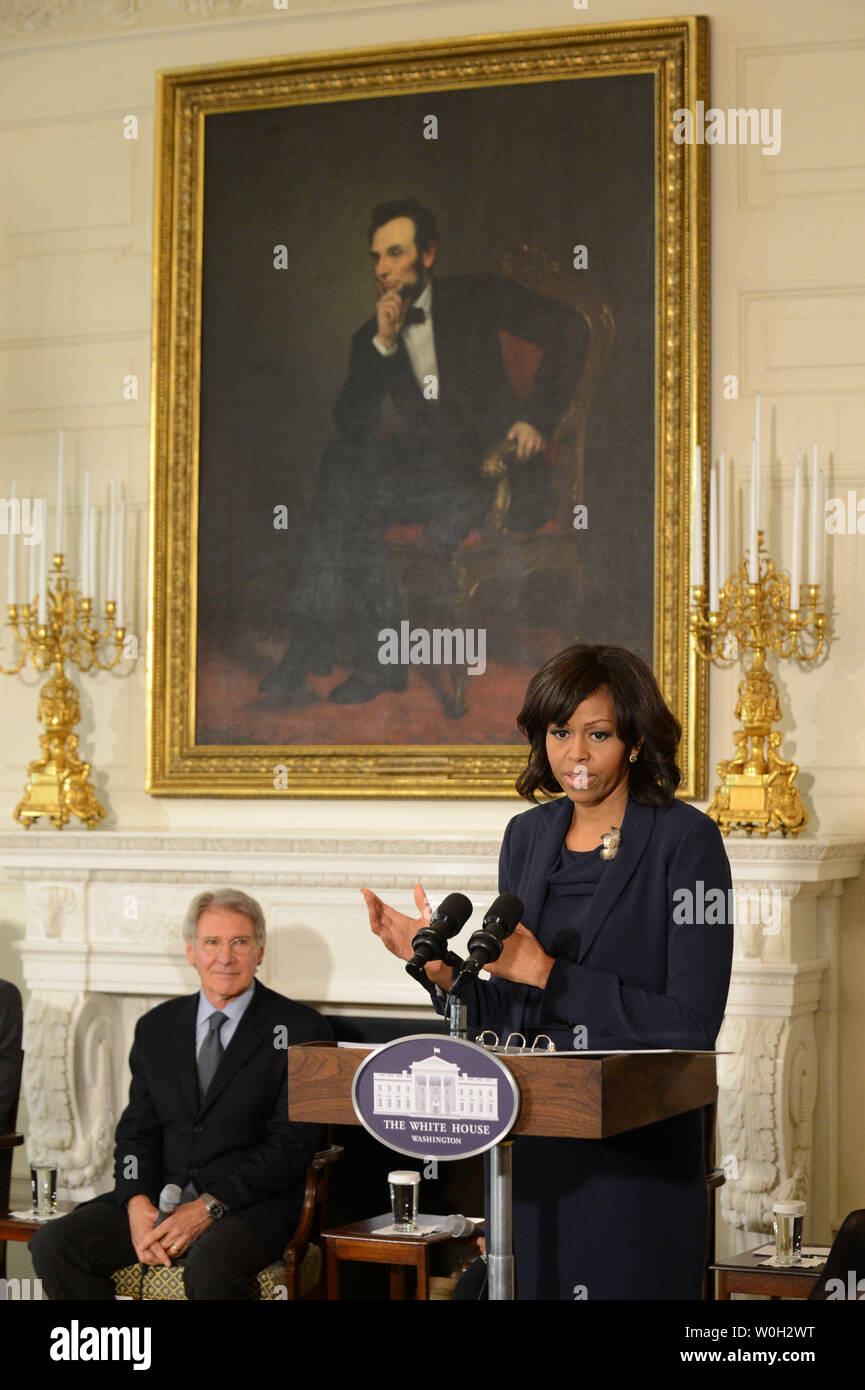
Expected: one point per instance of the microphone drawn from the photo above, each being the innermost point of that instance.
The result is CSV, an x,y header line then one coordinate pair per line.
x,y
169,1198
429,943
461,1225
485,945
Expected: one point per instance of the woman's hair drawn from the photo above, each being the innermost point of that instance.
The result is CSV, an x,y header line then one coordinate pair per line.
x,y
641,716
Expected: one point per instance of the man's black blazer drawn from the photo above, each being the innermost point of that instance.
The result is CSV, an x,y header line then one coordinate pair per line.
x,y
11,1055
476,402
239,1145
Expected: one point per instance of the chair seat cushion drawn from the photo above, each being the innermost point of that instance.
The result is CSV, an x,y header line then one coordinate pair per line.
x,y
160,1283
150,1282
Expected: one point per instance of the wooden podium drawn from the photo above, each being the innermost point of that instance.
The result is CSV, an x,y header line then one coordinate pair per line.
x,y
561,1096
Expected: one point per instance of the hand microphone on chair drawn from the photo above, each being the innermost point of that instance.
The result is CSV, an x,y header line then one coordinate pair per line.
x,y
169,1198
485,945
431,941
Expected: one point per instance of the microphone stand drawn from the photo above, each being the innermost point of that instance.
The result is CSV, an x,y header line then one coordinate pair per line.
x,y
499,1184
455,1010
500,1237
456,1015
499,1179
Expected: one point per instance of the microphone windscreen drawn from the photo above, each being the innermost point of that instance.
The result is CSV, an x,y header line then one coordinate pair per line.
x,y
169,1197
507,909
459,1225
455,911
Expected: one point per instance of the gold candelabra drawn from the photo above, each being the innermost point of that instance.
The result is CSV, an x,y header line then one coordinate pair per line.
x,y
758,787
58,782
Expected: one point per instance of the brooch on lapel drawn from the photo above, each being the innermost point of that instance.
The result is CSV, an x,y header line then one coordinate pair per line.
x,y
611,842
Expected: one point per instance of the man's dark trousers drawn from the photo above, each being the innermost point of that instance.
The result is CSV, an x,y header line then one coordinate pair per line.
x,y
76,1255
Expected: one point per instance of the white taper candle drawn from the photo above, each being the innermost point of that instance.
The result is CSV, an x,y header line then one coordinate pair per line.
x,y
796,543
723,539
58,519
12,554
112,538
91,556
821,529
753,568
697,517
42,609
31,573
121,543
83,537
713,539
816,522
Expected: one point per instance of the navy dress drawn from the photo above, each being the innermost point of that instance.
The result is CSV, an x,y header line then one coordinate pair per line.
x,y
571,885
565,1225
625,1217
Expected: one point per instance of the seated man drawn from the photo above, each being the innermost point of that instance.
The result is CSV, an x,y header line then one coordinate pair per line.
x,y
843,1274
10,1053
10,1077
208,1110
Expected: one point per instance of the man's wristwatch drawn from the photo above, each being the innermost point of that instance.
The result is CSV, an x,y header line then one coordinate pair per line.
x,y
215,1208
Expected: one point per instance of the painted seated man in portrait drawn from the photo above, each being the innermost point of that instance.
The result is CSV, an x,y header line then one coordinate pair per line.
x,y
426,399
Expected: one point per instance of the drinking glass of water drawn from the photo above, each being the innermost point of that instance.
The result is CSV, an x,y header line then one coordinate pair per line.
x,y
404,1188
788,1218
43,1188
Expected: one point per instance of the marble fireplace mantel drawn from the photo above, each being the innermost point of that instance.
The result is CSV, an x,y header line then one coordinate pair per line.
x,y
102,944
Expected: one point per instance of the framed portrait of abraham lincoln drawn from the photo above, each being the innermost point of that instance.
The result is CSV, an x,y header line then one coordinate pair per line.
x,y
431,359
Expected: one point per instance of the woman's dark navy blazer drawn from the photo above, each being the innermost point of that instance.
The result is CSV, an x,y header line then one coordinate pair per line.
x,y
638,977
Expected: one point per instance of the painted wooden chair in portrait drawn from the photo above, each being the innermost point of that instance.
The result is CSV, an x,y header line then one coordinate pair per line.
x,y
495,558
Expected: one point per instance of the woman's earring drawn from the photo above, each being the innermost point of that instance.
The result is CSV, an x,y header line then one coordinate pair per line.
x,y
632,758
611,842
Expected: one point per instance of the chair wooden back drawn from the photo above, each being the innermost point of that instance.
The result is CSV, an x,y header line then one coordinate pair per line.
x,y
535,270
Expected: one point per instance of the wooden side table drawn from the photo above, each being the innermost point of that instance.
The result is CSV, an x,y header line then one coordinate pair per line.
x,y
365,1241
16,1228
748,1272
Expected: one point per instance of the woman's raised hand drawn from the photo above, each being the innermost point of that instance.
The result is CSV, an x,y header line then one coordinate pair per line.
x,y
395,929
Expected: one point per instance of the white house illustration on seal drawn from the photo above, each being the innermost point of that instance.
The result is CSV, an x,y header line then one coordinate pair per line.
x,y
437,1087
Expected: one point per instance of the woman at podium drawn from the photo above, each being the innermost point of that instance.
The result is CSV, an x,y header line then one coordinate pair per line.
x,y
626,943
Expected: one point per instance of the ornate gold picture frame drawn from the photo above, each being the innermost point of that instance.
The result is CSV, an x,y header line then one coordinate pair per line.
x,y
550,163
